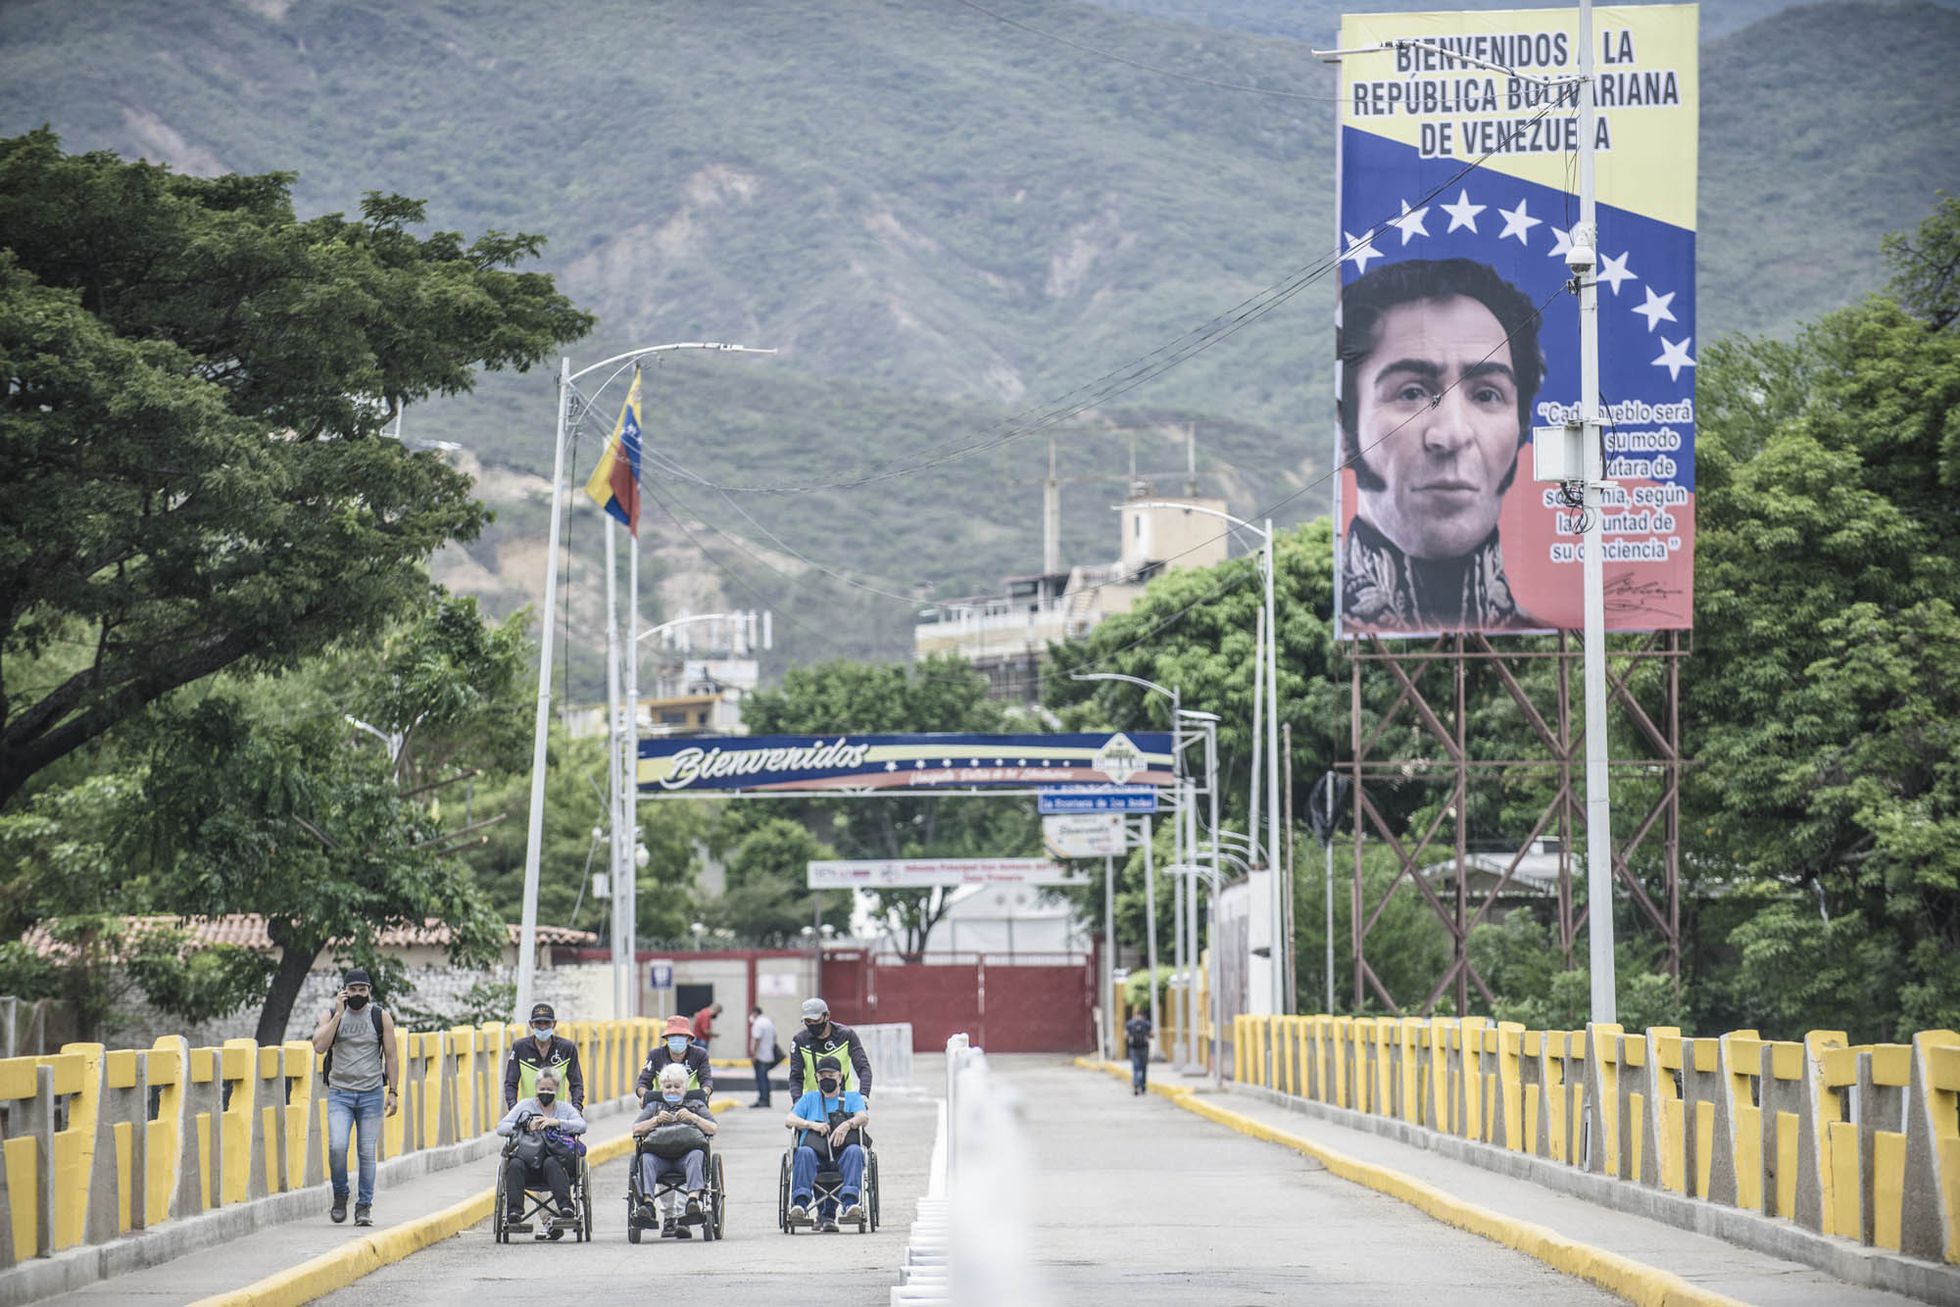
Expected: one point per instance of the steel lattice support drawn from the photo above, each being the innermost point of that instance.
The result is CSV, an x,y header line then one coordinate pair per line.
x,y
1436,688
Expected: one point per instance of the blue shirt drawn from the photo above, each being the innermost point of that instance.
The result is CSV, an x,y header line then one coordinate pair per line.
x,y
815,1108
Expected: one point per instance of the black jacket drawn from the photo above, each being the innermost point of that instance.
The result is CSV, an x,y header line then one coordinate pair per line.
x,y
696,1061
525,1052
807,1047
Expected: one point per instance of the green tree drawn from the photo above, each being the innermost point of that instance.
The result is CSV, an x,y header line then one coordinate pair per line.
x,y
1824,700
191,468
765,900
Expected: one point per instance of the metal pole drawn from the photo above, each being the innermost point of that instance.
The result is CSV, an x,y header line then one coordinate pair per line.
x,y
1329,887
1150,921
629,772
1109,956
527,936
1191,935
1258,932
1289,981
1599,803
1178,858
1211,901
617,860
1272,764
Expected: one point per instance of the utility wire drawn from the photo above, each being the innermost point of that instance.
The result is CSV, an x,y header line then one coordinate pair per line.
x,y
1137,63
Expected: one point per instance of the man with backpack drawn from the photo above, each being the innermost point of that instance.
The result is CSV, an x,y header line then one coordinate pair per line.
x,y
1136,1034
362,1075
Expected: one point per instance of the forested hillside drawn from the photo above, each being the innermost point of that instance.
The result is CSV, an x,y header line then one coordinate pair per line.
x,y
941,220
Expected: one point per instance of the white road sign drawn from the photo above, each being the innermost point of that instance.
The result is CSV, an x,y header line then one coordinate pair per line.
x,y
1083,835
925,873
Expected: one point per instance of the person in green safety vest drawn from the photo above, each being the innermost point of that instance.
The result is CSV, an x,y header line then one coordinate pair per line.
x,y
821,1035
540,1051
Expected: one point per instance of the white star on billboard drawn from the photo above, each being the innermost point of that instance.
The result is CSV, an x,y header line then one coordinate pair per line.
x,y
1674,357
1614,271
1463,213
1360,250
1561,243
1518,223
1412,222
1656,310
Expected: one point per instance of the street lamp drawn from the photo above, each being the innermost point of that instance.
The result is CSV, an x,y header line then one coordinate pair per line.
x,y
527,962
1149,852
1267,911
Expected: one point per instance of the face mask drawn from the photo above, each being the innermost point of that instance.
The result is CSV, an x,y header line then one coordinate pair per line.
x,y
355,1002
828,1086
546,1097
813,1026
672,1096
677,1046
542,1032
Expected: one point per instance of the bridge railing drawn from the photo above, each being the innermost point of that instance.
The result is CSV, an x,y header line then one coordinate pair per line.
x,y
1861,1142
99,1143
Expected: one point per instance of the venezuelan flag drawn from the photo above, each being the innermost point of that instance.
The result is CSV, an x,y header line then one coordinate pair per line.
x,y
615,483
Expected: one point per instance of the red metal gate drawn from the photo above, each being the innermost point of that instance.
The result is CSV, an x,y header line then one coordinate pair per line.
x,y
1023,1006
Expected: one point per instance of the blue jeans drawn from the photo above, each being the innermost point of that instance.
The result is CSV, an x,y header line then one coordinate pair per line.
x,y
1139,1068
761,1081
345,1107
803,1176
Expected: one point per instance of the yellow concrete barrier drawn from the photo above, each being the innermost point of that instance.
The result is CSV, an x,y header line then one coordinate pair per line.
x,y
104,1142
1736,1120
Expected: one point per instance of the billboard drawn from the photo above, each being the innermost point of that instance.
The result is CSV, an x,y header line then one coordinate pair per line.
x,y
929,873
1456,333
851,764
1083,835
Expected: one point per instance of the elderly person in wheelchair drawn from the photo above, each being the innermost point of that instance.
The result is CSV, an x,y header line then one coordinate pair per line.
x,y
541,1154
829,1123
673,1113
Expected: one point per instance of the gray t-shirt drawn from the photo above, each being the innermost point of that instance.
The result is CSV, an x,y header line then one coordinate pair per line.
x,y
763,1031
357,1061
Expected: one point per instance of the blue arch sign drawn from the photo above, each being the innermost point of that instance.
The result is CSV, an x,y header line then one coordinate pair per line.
x,y
850,763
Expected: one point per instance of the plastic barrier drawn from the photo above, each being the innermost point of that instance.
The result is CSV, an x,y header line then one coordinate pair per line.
x,y
1861,1142
97,1143
889,1046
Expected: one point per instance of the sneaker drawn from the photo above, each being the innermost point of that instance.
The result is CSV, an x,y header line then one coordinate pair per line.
x,y
667,1228
566,1217
363,1214
556,1232
339,1209
756,1105
799,1212
682,1232
648,1217
826,1227
853,1213
694,1204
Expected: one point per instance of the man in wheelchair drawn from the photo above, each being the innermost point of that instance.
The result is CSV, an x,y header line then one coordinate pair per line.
x,y
542,1154
675,1118
829,1123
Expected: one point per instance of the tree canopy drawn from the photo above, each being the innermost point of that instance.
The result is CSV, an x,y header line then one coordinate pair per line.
x,y
192,472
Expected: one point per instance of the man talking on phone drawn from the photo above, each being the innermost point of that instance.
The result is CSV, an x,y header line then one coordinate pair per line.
x,y
363,1078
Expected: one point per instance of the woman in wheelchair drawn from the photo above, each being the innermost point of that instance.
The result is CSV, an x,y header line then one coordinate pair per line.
x,y
829,1122
541,1153
672,1104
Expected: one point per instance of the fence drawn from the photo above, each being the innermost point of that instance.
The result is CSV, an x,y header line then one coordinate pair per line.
x,y
889,1047
1861,1142
96,1143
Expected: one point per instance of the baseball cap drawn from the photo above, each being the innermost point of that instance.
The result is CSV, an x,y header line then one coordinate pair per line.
x,y
815,1009
543,1010
830,1064
356,976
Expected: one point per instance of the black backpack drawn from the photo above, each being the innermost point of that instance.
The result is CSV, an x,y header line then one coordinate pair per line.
x,y
326,1067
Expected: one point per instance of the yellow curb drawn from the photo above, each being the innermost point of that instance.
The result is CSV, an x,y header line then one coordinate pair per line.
x,y
328,1272
1637,1282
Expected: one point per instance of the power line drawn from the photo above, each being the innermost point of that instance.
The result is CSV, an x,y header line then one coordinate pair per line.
x,y
1137,63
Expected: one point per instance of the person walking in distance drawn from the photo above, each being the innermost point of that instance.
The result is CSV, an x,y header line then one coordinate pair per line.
x,y
762,1053
704,1024
362,1073
1136,1036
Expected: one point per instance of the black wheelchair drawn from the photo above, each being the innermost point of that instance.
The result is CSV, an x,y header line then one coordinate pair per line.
x,y
670,1186
828,1185
538,1206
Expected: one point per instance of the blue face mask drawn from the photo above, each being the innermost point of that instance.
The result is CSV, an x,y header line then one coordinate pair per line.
x,y
677,1046
671,1096
542,1032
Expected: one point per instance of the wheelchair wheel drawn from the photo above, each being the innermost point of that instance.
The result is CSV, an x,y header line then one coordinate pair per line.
x,y
782,1197
584,1202
497,1228
871,1189
717,1198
